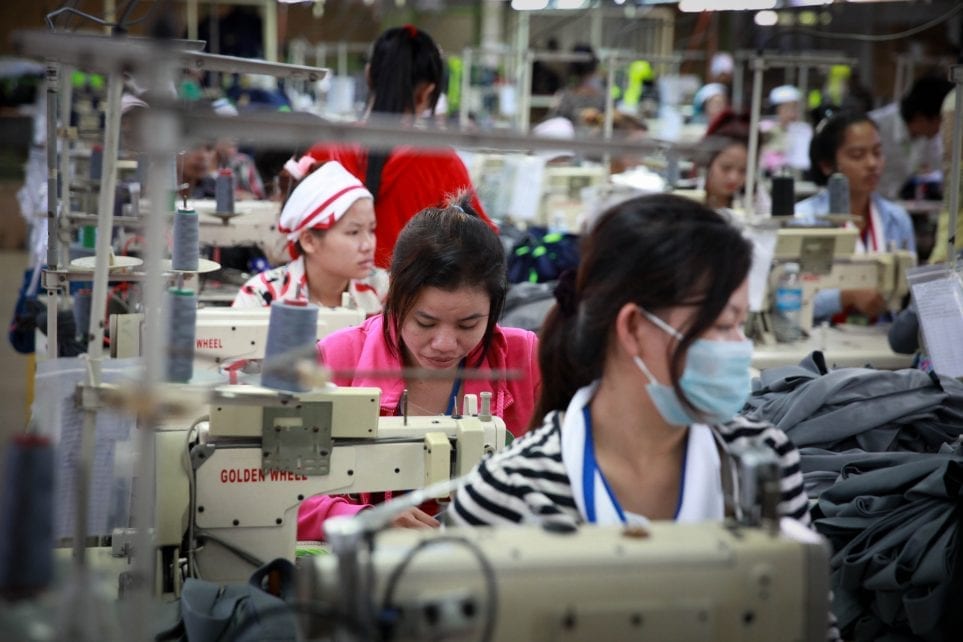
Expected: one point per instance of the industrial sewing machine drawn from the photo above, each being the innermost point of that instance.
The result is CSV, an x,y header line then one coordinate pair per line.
x,y
224,335
752,577
827,259
261,452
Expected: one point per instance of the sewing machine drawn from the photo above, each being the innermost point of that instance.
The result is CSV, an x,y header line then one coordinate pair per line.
x,y
708,581
263,451
827,259
753,577
224,335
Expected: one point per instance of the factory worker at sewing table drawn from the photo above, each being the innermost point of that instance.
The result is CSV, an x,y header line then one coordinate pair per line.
x,y
329,221
447,290
849,143
641,382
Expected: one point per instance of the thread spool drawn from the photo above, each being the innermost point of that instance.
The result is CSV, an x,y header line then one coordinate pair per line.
x,y
838,187
293,326
185,250
96,163
82,313
181,331
783,196
224,191
26,516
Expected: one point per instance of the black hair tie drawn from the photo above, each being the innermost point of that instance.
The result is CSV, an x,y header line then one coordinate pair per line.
x,y
565,293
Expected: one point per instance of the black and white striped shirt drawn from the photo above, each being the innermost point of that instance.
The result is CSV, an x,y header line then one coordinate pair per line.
x,y
528,481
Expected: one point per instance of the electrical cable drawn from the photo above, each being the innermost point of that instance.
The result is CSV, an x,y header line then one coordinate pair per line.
x,y
238,552
488,571
192,498
859,37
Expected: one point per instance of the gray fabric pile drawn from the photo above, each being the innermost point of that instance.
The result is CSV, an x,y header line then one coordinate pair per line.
x,y
881,457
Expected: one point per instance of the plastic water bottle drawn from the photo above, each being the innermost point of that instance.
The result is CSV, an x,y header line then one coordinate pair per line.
x,y
787,312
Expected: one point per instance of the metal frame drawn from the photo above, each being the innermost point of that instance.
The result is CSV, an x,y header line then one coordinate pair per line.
x,y
759,63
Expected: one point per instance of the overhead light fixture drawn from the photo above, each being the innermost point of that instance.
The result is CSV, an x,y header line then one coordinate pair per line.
x,y
570,4
529,5
766,18
695,6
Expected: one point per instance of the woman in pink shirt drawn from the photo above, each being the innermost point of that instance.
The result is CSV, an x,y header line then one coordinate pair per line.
x,y
446,293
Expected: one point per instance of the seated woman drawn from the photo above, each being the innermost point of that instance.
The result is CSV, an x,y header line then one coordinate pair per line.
x,y
447,289
405,76
642,380
849,143
330,224
726,158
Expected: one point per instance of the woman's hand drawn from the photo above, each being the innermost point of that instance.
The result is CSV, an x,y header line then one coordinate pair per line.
x,y
867,301
415,518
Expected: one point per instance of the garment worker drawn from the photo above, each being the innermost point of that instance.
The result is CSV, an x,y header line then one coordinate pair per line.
x,y
909,132
405,76
642,382
447,290
725,157
329,222
849,143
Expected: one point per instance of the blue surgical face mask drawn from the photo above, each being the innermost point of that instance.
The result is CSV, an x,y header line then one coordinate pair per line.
x,y
716,380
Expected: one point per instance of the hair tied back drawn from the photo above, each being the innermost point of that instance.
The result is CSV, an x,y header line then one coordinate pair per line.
x,y
565,293
411,30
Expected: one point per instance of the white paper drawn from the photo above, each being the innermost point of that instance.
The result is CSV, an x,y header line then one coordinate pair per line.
x,y
763,251
939,303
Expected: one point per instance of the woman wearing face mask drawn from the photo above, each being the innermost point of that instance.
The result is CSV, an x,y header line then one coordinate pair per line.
x,y
447,290
849,143
405,73
330,226
642,380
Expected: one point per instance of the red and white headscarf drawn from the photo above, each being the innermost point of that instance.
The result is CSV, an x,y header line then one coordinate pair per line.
x,y
319,201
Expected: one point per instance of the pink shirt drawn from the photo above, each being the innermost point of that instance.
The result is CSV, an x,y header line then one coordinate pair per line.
x,y
363,348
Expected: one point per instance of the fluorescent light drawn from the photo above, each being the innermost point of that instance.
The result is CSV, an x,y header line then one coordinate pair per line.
x,y
570,4
529,5
766,18
694,6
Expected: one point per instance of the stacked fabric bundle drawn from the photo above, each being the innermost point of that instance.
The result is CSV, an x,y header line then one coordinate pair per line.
x,y
881,456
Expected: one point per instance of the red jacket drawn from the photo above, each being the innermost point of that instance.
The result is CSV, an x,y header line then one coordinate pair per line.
x,y
363,348
411,180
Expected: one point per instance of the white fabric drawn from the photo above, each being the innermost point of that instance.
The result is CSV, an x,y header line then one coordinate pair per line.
x,y
722,63
706,92
784,94
904,156
702,492
879,238
320,200
702,497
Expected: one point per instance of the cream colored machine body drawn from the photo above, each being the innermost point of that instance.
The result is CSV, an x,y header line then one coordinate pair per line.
x,y
263,452
827,259
224,335
698,582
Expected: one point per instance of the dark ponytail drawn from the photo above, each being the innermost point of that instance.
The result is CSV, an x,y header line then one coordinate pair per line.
x,y
401,59
657,252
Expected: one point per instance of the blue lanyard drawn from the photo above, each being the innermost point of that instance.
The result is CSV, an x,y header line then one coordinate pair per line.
x,y
589,468
453,395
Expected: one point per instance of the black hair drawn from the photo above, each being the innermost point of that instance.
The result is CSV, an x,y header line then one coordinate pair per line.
x,y
582,68
726,129
828,138
925,98
446,248
402,58
658,252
